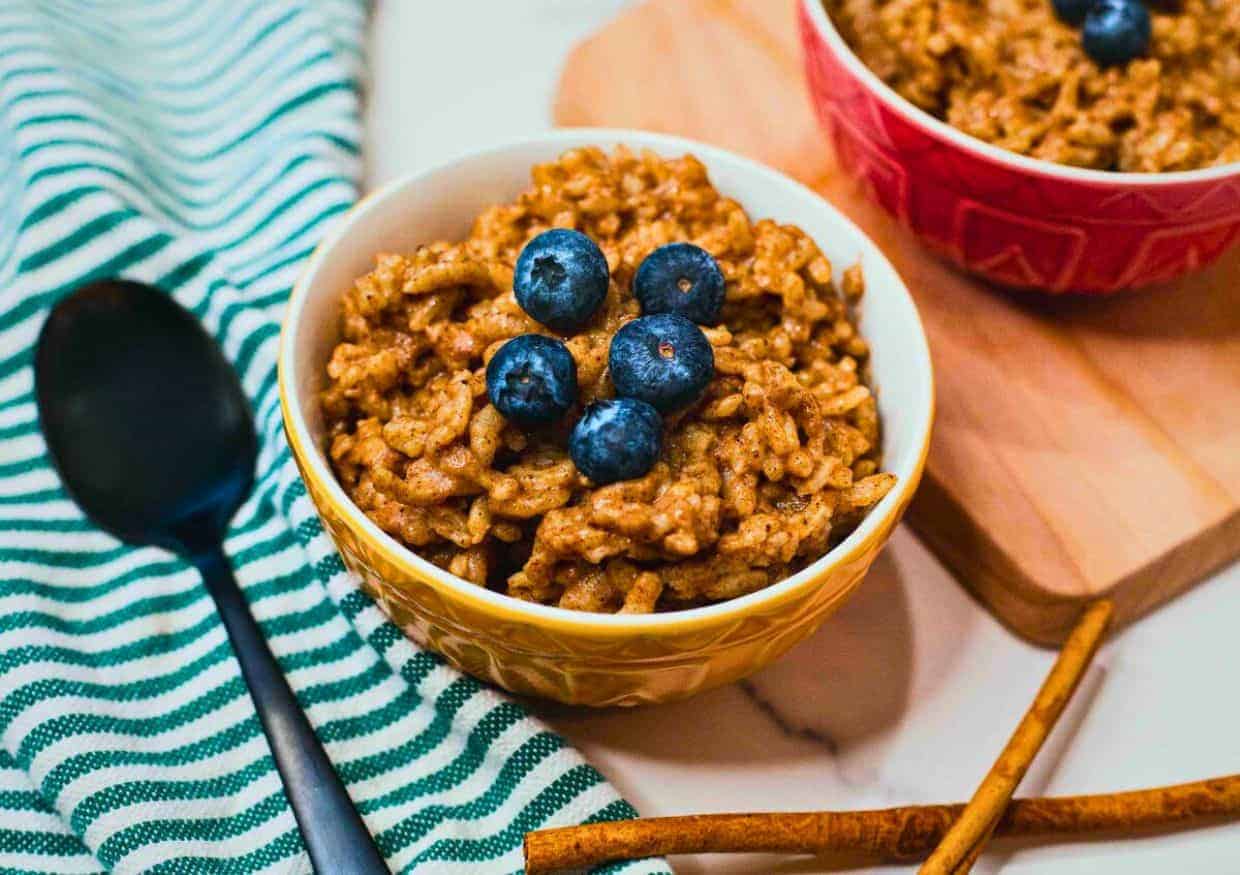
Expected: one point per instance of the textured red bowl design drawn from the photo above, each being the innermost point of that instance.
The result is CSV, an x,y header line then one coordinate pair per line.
x,y
1012,220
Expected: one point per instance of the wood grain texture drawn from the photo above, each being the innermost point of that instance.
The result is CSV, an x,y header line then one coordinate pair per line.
x,y
1083,448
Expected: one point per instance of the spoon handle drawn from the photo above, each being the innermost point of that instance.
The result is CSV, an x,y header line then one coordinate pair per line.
x,y
334,833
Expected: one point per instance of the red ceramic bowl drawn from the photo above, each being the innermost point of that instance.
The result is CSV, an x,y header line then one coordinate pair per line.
x,y
1014,220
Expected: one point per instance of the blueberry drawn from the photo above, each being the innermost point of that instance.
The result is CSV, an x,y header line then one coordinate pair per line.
x,y
561,279
680,278
616,440
665,360
1072,11
1116,31
532,380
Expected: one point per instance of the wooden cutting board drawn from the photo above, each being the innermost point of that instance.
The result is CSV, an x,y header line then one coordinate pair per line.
x,y
1082,447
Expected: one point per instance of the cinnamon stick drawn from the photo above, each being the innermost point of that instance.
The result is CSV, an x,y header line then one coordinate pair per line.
x,y
966,865
905,833
964,840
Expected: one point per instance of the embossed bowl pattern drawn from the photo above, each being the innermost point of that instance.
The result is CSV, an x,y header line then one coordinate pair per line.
x,y
1014,220
569,656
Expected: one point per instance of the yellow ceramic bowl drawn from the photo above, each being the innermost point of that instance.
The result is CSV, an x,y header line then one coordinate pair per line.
x,y
580,658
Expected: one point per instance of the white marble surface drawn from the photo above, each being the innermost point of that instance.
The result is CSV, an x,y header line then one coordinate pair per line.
x,y
908,693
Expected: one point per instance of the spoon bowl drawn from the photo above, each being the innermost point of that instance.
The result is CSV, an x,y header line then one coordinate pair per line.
x,y
144,418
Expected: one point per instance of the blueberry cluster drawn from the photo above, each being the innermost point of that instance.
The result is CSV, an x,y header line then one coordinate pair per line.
x,y
1112,31
659,362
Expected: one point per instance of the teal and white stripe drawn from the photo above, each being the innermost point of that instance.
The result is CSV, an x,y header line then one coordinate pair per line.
x,y
204,147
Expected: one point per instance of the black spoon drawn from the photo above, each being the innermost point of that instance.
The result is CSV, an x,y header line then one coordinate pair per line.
x,y
147,424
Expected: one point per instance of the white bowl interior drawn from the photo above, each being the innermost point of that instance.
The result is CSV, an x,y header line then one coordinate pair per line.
x,y
441,203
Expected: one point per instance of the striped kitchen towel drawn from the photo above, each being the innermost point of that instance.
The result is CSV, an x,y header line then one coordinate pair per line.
x,y
203,146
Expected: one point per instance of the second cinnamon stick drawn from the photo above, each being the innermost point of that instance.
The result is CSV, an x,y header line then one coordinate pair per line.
x,y
963,842
906,833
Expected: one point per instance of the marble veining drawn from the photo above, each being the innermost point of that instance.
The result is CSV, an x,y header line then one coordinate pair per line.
x,y
782,723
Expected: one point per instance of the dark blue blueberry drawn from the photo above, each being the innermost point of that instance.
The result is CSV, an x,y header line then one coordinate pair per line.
x,y
561,279
1116,31
1072,11
665,360
616,440
532,380
680,278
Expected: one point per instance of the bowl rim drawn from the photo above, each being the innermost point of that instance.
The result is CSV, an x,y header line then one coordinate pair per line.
x,y
893,100
315,468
